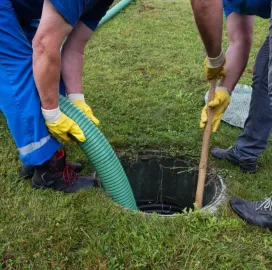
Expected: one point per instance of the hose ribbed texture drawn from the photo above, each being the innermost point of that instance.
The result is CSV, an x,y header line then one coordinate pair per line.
x,y
102,157
114,11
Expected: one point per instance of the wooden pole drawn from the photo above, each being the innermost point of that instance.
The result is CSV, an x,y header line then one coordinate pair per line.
x,y
205,149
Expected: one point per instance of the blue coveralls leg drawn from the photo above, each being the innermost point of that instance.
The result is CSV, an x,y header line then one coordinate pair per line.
x,y
19,99
258,125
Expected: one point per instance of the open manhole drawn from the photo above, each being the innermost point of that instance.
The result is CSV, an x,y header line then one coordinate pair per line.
x,y
167,185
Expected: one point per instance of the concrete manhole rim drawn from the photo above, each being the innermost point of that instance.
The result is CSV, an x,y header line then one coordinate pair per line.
x,y
220,200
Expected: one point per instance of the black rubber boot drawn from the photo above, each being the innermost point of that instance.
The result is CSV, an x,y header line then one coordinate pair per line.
x,y
27,172
247,166
255,213
59,175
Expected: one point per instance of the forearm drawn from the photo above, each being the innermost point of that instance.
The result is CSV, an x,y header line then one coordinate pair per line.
x,y
240,32
209,19
46,54
72,70
46,68
73,58
236,61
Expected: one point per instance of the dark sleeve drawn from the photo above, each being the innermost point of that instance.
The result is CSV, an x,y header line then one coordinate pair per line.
x,y
92,15
71,10
230,7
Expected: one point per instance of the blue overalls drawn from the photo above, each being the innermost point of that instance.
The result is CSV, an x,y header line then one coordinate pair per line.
x,y
258,124
19,99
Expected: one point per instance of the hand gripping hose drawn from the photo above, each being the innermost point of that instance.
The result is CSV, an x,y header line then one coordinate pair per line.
x,y
102,157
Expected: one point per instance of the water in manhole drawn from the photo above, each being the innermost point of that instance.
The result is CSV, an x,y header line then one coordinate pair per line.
x,y
167,185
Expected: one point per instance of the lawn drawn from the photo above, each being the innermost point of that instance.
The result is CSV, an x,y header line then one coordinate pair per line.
x,y
143,78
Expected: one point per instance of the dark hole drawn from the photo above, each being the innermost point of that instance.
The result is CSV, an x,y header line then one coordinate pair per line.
x,y
167,185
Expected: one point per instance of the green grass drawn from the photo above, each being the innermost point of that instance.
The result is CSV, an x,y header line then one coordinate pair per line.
x,y
143,77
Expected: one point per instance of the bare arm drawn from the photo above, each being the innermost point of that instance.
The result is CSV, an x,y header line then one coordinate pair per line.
x,y
73,58
209,19
240,32
46,54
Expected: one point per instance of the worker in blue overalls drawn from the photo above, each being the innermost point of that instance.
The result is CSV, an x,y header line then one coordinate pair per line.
x,y
208,16
30,68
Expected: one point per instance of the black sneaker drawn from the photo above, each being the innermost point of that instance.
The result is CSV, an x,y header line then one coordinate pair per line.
x,y
59,175
247,166
27,172
255,213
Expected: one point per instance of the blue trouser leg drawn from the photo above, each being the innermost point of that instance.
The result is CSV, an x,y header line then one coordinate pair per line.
x,y
270,61
258,125
19,99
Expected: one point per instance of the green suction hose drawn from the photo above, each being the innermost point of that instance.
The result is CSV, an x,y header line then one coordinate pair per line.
x,y
96,146
102,157
114,11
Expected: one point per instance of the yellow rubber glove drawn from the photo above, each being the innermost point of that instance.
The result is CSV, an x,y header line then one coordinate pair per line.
x,y
211,72
65,126
220,103
86,109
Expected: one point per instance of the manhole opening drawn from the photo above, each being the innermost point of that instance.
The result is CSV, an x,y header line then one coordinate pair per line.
x,y
167,185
